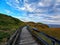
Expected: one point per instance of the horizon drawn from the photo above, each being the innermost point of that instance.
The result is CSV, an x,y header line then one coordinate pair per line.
x,y
45,11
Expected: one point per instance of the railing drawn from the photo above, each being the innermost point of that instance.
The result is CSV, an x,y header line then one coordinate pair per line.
x,y
43,38
14,37
52,38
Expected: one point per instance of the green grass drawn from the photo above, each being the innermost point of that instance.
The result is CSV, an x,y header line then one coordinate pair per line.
x,y
8,25
43,37
4,35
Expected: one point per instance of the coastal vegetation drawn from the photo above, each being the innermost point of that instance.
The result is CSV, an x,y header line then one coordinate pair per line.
x,y
8,25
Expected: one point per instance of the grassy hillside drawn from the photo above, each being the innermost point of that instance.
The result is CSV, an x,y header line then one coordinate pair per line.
x,y
8,26
54,32
39,25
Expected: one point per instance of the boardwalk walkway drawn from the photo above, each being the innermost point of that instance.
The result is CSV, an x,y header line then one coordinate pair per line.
x,y
26,38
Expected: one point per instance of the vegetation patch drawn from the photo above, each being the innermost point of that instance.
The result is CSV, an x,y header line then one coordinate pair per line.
x,y
8,25
54,32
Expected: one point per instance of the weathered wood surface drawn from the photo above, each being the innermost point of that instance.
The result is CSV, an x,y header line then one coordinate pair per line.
x,y
26,38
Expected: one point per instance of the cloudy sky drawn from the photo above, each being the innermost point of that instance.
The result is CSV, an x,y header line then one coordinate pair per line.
x,y
45,11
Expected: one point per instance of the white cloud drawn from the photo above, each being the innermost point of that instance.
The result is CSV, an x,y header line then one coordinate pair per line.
x,y
9,3
15,4
8,11
55,16
39,9
45,3
20,8
58,1
25,19
17,1
40,4
53,19
29,7
25,0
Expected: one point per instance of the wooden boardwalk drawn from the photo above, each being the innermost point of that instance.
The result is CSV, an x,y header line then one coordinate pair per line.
x,y
26,38
23,37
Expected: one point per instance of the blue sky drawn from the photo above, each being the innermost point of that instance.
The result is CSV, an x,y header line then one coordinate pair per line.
x,y
45,11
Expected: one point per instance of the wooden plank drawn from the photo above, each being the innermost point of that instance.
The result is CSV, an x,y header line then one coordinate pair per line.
x,y
26,38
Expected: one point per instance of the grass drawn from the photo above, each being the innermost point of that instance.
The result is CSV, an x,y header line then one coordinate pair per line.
x,y
54,32
8,25
43,37
4,35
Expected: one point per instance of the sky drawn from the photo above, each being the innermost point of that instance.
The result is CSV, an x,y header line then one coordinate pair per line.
x,y
45,11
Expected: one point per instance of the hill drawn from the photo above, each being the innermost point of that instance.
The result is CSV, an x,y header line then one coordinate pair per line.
x,y
37,25
8,26
54,32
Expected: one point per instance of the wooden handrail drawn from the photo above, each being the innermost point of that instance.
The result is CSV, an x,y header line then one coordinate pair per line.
x,y
14,37
53,40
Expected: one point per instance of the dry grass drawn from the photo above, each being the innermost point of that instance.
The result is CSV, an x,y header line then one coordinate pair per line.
x,y
54,32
